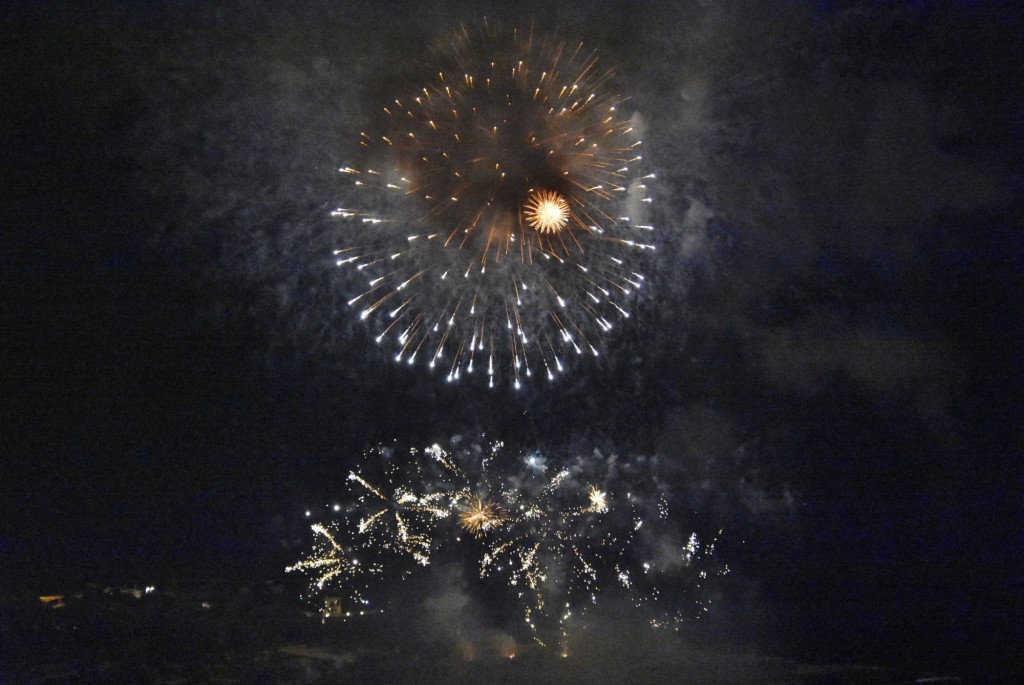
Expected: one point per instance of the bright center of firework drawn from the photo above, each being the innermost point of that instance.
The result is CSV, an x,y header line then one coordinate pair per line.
x,y
598,500
546,211
481,516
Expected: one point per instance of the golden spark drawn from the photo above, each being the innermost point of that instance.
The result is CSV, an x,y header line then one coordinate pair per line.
x,y
481,516
598,500
546,211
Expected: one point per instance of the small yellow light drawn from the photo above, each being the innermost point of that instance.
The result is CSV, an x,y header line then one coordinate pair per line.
x,y
481,516
598,500
546,211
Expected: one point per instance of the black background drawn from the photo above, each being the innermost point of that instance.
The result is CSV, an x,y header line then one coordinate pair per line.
x,y
830,359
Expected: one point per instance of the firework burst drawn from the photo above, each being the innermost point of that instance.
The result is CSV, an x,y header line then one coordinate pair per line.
x,y
481,516
554,539
337,565
598,500
501,227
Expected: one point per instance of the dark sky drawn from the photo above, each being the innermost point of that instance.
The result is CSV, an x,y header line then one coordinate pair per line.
x,y
830,361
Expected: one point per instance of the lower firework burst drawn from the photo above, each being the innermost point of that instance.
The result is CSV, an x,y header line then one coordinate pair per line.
x,y
556,539
499,225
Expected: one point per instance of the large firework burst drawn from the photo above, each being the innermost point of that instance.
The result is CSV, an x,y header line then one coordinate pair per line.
x,y
554,538
500,223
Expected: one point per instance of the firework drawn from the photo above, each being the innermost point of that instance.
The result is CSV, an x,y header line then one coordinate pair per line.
x,y
501,228
481,516
554,538
396,517
598,500
336,565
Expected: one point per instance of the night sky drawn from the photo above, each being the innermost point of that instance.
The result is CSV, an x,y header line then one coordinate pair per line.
x,y
827,367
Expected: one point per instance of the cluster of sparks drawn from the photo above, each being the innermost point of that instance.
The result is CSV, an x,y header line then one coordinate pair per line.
x,y
502,222
481,516
554,539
